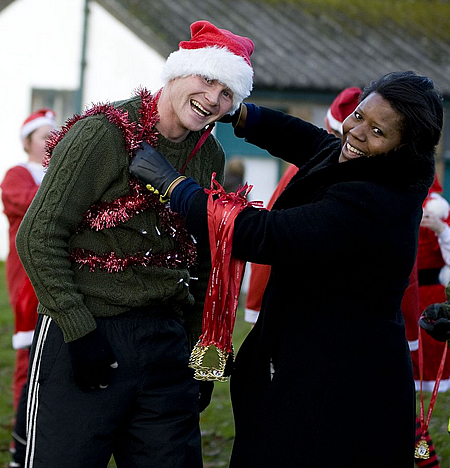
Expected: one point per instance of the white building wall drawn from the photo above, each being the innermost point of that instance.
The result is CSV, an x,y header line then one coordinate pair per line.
x,y
118,62
41,48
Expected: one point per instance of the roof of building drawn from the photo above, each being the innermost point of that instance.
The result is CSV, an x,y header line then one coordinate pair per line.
x,y
310,44
4,3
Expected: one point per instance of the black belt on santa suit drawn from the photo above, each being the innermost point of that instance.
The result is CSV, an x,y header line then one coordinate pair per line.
x,y
429,276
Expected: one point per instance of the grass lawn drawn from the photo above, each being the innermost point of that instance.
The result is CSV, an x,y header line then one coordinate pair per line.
x,y
216,420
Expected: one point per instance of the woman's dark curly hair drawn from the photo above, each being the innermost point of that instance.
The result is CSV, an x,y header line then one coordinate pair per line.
x,y
419,103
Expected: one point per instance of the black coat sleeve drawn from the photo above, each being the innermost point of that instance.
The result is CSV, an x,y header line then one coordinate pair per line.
x,y
288,137
350,217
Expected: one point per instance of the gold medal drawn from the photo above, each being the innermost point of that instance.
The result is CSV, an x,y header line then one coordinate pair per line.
x,y
422,451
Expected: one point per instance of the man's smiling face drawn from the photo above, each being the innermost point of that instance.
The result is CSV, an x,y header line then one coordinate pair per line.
x,y
198,101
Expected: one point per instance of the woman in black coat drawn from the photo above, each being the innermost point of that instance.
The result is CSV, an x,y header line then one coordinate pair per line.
x,y
324,378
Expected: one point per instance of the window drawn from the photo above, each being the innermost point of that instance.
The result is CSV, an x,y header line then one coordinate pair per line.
x,y
61,101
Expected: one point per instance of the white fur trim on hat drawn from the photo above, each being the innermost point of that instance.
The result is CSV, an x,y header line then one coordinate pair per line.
x,y
333,122
35,124
215,63
438,205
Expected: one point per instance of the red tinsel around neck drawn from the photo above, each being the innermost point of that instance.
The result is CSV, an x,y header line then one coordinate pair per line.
x,y
104,215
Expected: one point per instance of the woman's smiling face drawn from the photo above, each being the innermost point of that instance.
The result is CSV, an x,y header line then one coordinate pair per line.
x,y
374,128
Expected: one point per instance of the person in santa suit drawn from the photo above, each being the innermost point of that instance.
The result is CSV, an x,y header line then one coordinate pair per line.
x,y
342,106
19,187
433,255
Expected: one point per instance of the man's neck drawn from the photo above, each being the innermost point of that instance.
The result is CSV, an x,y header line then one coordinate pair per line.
x,y
168,124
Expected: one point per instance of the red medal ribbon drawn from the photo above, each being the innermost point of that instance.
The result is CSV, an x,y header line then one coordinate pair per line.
x,y
225,280
199,144
424,425
219,312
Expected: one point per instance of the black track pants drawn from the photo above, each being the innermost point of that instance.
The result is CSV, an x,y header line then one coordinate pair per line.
x,y
148,415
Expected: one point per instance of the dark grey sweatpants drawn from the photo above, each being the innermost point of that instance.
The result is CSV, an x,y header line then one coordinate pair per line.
x,y
148,415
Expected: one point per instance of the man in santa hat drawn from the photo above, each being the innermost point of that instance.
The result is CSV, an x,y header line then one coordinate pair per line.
x,y
120,283
19,186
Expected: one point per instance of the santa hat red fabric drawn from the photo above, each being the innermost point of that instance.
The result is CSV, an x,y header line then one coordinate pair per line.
x,y
436,187
216,54
37,119
342,106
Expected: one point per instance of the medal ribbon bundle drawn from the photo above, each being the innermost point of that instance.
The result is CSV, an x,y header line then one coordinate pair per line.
x,y
422,451
219,313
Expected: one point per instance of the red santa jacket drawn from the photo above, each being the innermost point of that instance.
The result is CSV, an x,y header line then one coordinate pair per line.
x,y
18,189
260,273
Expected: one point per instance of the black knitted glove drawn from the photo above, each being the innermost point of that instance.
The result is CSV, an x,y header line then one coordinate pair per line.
x,y
435,320
92,361
206,388
152,168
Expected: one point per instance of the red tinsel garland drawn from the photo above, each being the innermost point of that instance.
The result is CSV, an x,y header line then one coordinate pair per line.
x,y
103,215
111,263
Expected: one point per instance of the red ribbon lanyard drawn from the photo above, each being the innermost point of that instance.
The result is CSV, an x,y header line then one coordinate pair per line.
x,y
199,144
424,425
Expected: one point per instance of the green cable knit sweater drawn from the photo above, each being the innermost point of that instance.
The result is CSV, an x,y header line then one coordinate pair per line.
x,y
90,164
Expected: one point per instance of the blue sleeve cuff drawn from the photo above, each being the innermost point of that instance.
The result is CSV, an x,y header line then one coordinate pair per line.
x,y
182,196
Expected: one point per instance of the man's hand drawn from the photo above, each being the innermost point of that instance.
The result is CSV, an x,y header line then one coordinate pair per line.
x,y
435,320
93,361
152,168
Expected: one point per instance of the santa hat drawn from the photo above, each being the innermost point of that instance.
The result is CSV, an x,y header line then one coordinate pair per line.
x,y
436,203
37,119
342,106
216,54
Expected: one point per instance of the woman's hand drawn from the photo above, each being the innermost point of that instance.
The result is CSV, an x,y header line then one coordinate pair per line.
x,y
152,168
238,119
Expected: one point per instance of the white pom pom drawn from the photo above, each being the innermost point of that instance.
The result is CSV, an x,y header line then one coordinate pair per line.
x,y
438,206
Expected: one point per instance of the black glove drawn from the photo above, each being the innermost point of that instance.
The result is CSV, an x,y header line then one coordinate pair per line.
x,y
233,119
152,168
206,388
435,320
92,361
